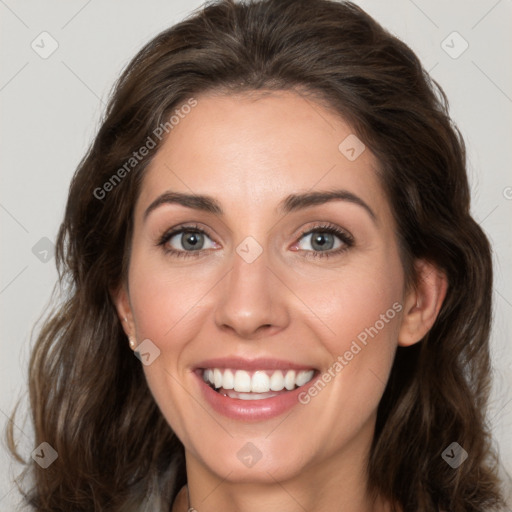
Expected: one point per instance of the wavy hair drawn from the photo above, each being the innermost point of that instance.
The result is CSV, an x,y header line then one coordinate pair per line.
x,y
88,396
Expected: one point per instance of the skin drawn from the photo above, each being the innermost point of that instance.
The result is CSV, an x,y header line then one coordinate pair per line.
x,y
250,152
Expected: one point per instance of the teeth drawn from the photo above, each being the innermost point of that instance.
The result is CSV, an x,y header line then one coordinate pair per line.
x,y
277,381
289,380
217,378
261,381
242,381
228,380
303,377
249,396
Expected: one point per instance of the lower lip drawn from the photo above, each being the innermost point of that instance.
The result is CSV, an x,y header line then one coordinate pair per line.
x,y
251,410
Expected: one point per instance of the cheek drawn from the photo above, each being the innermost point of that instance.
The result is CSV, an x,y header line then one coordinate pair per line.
x,y
367,312
165,300
360,316
359,302
166,303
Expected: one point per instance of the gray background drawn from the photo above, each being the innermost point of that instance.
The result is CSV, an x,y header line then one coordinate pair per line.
x,y
50,110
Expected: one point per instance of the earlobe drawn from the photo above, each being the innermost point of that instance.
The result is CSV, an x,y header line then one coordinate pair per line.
x,y
423,303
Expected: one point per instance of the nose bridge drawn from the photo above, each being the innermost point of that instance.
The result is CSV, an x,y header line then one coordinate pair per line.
x,y
251,298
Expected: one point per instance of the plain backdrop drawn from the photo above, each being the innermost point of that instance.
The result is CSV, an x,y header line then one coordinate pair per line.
x,y
50,108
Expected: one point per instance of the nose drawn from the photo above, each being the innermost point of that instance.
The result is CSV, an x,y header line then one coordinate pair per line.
x,y
252,300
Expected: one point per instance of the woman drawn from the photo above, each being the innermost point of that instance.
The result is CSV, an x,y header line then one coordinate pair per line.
x,y
274,217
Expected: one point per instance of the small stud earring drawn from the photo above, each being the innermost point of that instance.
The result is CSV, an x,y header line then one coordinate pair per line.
x,y
131,342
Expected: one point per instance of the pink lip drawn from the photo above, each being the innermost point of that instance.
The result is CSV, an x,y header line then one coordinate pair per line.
x,y
237,363
251,410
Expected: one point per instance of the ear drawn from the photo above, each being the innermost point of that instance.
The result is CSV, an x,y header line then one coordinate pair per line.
x,y
121,300
422,303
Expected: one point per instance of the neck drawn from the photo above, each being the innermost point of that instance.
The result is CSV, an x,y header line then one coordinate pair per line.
x,y
338,482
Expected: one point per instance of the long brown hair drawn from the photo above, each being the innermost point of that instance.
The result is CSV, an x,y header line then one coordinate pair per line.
x,y
88,395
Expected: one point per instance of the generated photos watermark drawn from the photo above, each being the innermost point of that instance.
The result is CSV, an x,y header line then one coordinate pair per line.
x,y
355,347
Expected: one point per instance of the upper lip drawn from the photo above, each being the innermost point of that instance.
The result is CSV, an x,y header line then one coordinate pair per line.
x,y
237,363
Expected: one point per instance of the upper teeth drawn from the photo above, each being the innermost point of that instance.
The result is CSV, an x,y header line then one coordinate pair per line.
x,y
261,381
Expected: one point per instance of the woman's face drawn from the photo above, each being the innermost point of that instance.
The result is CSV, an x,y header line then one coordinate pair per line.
x,y
270,285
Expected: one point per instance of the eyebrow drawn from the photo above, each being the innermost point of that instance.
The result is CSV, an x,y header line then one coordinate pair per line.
x,y
291,203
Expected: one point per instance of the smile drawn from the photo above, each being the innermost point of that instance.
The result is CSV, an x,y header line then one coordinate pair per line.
x,y
255,385
251,390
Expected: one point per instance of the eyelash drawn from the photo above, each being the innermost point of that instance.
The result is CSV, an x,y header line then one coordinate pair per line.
x,y
345,237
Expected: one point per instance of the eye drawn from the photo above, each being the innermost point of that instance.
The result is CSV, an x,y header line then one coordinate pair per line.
x,y
189,241
183,240
324,241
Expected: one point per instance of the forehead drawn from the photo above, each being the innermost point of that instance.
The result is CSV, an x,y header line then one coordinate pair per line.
x,y
255,149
